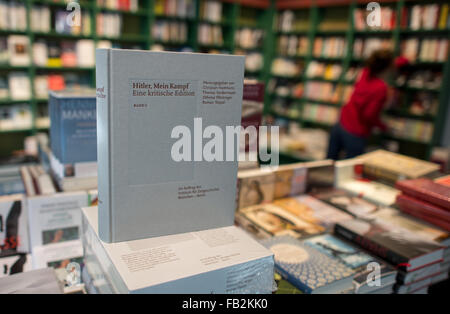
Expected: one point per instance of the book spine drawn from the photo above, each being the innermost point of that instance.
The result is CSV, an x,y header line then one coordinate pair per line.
x,y
366,243
103,143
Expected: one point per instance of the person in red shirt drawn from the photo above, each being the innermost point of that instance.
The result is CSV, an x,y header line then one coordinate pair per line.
x,y
362,112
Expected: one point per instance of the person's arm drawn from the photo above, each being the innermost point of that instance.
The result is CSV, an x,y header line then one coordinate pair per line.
x,y
371,113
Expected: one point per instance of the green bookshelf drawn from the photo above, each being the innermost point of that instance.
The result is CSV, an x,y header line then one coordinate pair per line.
x,y
318,13
312,19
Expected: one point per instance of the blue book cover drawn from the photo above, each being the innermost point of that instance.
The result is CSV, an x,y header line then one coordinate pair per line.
x,y
73,130
307,268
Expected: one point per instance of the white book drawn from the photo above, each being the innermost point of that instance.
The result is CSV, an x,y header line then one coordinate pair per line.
x,y
55,218
222,260
143,191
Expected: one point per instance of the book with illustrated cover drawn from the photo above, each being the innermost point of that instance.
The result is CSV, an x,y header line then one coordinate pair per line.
x,y
267,220
73,126
310,270
356,259
256,187
55,218
426,190
346,201
400,247
13,225
392,167
151,108
313,211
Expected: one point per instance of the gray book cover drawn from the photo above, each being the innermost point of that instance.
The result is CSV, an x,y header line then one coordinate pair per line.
x,y
143,98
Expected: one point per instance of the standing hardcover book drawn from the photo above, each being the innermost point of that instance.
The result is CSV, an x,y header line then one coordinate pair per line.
x,y
151,107
307,268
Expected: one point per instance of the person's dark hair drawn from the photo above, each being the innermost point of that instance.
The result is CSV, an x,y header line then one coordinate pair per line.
x,y
379,61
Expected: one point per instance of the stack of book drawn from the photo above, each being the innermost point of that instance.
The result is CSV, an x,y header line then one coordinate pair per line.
x,y
137,248
426,200
73,135
327,264
418,257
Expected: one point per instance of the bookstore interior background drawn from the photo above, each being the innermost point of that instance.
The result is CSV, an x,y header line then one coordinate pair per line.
x,y
371,215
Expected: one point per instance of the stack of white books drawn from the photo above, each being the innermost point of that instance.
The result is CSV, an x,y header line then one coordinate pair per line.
x,y
164,222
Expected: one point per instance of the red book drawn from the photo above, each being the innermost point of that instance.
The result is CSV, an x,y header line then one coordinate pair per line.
x,y
426,190
443,181
424,211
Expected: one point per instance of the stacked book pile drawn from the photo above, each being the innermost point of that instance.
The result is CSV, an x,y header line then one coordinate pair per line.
x,y
426,200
